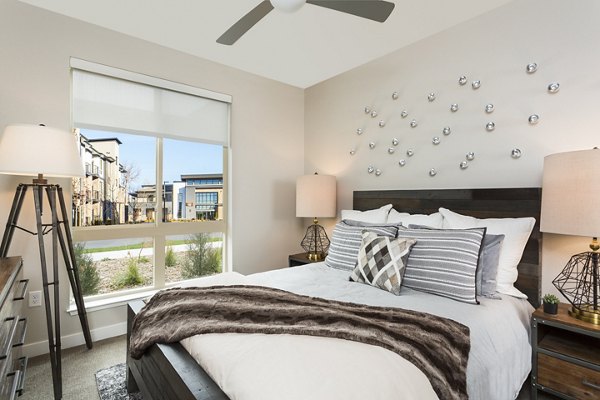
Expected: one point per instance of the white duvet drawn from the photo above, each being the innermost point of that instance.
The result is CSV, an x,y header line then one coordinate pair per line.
x,y
282,367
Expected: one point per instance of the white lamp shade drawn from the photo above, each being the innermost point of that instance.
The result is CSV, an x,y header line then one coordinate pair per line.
x,y
315,196
33,150
571,193
287,5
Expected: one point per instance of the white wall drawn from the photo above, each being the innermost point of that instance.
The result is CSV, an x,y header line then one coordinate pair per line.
x,y
266,136
561,36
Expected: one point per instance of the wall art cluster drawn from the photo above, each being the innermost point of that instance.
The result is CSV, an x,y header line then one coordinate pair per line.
x,y
391,148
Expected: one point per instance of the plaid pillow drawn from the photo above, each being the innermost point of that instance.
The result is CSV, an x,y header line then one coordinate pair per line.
x,y
381,261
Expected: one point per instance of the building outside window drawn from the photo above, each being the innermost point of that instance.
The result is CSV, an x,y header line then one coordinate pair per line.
x,y
150,210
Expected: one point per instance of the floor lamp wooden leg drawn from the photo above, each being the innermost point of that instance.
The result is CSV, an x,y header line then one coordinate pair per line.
x,y
13,217
53,345
72,268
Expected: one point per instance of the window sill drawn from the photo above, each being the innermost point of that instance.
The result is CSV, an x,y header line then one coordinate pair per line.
x,y
117,301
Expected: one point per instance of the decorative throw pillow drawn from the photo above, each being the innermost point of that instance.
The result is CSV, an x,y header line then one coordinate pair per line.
x,y
444,262
485,279
381,261
347,239
431,221
376,216
516,233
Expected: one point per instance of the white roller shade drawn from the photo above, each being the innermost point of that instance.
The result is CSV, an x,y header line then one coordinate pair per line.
x,y
115,103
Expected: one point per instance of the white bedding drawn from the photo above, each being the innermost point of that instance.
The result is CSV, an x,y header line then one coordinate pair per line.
x,y
276,367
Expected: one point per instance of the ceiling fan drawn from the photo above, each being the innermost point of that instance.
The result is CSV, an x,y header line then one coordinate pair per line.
x,y
376,10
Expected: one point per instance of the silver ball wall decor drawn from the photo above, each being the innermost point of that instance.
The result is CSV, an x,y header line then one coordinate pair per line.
x,y
370,169
371,145
402,162
432,172
476,84
395,96
404,114
391,150
395,142
377,172
489,108
435,140
446,131
454,107
359,131
352,152
381,123
410,152
533,119
462,80
464,165
516,153
413,123
531,68
373,114
431,97
367,110
490,126
470,156
553,87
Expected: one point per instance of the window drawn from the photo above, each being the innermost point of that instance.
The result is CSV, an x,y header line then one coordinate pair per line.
x,y
154,154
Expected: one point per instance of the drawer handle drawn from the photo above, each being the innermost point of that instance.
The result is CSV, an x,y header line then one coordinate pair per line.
x,y
11,336
16,375
22,368
21,296
587,383
21,341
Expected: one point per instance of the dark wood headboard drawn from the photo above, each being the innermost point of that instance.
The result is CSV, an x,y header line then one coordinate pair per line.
x,y
480,203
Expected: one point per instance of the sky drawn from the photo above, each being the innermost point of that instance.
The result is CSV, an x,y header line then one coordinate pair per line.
x,y
179,158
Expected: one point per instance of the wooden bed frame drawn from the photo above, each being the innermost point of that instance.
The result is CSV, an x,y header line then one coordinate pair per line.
x,y
169,372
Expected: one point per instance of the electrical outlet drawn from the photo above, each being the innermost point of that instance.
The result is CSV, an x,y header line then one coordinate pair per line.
x,y
35,299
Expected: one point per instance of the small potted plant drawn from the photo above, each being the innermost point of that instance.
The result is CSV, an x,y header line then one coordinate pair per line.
x,y
550,304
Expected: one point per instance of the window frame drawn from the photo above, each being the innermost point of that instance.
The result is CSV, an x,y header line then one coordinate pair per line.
x,y
158,230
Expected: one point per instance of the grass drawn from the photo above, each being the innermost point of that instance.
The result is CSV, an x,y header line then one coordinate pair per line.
x,y
137,246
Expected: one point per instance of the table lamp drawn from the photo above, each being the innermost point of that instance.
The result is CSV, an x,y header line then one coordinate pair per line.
x,y
315,197
570,206
41,151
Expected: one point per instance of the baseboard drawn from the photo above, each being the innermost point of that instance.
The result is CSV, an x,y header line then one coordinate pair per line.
x,y
77,339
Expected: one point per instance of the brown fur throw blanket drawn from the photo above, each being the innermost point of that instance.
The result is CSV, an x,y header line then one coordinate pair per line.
x,y
437,346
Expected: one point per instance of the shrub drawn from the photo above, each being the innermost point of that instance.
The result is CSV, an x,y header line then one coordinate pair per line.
x,y
170,259
144,259
88,273
201,258
130,277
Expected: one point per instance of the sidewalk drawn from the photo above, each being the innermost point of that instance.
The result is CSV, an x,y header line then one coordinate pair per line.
x,y
146,252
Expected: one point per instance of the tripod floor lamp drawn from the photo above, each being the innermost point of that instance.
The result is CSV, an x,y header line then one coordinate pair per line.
x,y
38,151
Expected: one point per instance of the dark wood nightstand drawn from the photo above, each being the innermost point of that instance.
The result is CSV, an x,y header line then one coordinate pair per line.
x,y
566,355
295,260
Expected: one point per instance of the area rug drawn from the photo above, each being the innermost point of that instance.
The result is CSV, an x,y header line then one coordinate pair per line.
x,y
111,383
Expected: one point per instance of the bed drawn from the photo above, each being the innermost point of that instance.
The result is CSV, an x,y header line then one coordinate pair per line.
x,y
171,372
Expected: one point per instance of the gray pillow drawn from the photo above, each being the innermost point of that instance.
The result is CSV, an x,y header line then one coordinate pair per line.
x,y
346,240
487,270
444,261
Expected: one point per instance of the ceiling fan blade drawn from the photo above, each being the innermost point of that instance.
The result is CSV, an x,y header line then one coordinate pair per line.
x,y
376,10
245,23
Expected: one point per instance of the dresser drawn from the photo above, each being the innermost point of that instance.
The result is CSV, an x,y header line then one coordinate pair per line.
x,y
13,327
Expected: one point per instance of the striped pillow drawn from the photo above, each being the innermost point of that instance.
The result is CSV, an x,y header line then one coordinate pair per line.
x,y
381,261
347,239
444,262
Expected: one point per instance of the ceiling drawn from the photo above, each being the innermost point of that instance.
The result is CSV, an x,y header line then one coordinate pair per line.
x,y
300,49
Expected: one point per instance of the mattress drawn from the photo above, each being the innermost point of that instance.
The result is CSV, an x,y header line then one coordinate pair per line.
x,y
270,367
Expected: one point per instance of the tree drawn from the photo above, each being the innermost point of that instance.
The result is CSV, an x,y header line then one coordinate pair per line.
x,y
88,273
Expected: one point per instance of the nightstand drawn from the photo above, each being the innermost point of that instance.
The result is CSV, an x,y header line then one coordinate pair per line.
x,y
566,355
295,260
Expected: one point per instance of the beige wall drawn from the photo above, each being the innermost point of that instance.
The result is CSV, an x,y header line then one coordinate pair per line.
x,y
561,36
266,137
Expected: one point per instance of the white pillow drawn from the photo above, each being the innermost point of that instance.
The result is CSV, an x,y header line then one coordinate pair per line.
x,y
516,233
432,220
376,216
